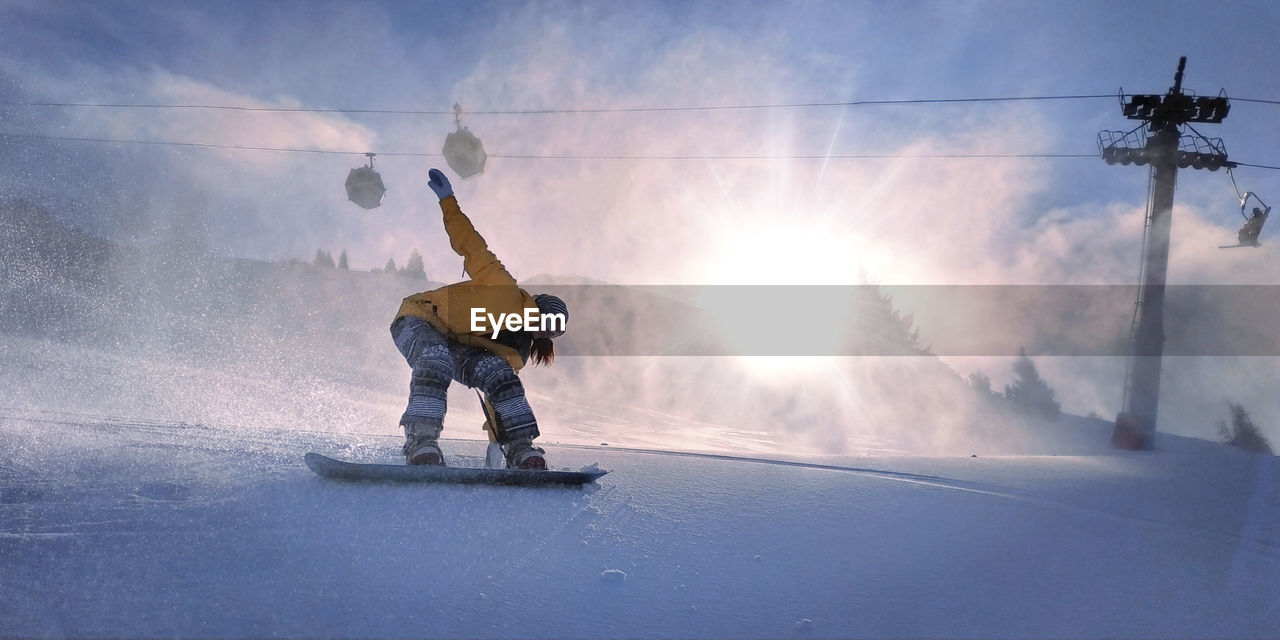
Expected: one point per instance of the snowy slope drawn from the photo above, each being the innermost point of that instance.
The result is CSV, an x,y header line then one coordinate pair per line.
x,y
115,528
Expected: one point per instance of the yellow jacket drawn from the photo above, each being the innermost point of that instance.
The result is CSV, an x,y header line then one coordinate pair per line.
x,y
491,287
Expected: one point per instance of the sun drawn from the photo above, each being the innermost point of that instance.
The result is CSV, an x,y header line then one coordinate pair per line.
x,y
775,297
782,254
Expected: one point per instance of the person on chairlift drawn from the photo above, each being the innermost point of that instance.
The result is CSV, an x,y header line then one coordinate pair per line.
x,y
1253,226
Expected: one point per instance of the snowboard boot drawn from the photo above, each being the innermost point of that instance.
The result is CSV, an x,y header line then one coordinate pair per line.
x,y
424,451
521,454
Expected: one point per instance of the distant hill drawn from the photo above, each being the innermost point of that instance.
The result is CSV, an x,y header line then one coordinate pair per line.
x,y
37,246
545,279
49,273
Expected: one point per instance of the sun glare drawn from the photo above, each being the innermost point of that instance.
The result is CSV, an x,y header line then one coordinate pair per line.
x,y
773,254
776,305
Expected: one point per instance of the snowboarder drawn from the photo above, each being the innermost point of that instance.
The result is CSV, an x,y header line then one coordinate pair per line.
x,y
437,333
1248,234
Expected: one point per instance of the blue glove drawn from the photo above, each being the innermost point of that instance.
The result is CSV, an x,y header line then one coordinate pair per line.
x,y
439,184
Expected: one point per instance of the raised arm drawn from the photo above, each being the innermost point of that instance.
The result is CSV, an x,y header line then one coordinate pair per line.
x,y
479,261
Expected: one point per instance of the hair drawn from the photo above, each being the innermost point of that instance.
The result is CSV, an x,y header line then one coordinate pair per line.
x,y
543,351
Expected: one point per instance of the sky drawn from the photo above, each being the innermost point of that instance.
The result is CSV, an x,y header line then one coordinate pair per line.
x,y
970,219
817,220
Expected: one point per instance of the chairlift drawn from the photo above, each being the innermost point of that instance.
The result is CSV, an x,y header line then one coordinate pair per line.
x,y
1253,220
364,186
462,149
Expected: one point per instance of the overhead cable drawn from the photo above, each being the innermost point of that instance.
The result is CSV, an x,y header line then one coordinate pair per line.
x,y
567,110
525,156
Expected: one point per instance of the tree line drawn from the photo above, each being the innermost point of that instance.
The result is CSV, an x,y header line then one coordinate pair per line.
x,y
413,268
1031,395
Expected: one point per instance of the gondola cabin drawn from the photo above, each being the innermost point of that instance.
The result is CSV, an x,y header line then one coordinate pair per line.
x,y
364,186
462,149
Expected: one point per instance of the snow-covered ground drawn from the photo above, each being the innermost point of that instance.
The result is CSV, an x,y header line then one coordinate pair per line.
x,y
120,528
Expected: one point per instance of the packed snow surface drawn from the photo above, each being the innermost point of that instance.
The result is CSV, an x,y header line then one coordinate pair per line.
x,y
114,528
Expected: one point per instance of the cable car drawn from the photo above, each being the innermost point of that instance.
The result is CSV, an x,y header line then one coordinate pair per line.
x,y
462,149
364,186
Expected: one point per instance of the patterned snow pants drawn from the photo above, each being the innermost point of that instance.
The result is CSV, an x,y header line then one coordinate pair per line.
x,y
436,360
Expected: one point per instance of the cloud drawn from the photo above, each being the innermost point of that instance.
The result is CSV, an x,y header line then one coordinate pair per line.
x,y
295,130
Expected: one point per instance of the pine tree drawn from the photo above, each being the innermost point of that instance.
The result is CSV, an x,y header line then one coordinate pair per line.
x,y
391,266
981,384
324,259
1029,393
880,328
1242,432
414,267
902,329
342,261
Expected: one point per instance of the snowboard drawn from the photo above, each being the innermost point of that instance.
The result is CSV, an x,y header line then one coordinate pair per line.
x,y
327,467
1233,246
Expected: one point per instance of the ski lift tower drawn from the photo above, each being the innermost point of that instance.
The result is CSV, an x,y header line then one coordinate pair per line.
x,y
1157,142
